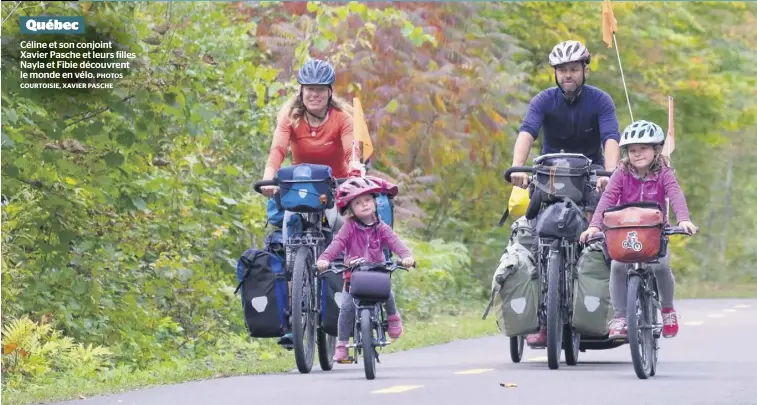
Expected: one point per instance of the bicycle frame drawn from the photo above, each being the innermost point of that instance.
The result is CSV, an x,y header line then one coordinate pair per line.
x,y
642,317
301,248
311,236
649,285
555,308
568,253
374,313
378,323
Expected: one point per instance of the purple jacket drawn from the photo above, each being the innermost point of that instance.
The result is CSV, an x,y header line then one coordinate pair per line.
x,y
356,241
625,187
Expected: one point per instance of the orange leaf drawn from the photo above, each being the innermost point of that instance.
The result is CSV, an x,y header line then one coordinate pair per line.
x,y
9,348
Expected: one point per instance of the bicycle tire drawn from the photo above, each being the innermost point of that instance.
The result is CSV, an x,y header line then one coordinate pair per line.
x,y
326,347
516,348
554,310
639,336
301,279
366,338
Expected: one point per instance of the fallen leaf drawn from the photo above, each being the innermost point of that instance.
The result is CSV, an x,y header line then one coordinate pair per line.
x,y
508,385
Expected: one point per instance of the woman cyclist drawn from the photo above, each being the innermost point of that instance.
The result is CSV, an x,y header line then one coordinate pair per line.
x,y
316,125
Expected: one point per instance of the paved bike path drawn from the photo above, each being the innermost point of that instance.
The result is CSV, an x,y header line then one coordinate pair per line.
x,y
712,361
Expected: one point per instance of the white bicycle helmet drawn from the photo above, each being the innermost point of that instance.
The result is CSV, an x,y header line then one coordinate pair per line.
x,y
569,51
642,131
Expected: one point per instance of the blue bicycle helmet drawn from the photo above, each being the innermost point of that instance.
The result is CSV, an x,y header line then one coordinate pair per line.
x,y
316,72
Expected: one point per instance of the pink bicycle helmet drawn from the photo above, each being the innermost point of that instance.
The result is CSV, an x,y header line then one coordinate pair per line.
x,y
386,186
352,189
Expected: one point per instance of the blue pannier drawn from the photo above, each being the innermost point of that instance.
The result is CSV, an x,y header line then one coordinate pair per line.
x,y
265,293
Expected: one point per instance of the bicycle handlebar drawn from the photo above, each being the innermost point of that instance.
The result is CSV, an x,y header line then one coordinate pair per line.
x,y
338,268
263,183
677,230
530,169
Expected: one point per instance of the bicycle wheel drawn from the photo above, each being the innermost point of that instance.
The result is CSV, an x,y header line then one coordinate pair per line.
x,y
640,331
554,310
516,348
366,337
657,326
326,347
571,344
571,338
303,319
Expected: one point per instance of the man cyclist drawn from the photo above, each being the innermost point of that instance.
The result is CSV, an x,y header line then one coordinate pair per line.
x,y
575,118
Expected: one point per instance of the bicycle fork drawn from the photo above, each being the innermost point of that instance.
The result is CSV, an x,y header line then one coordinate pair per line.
x,y
649,284
357,339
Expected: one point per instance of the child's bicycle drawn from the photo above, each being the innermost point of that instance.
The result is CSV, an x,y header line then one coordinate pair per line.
x,y
370,285
639,240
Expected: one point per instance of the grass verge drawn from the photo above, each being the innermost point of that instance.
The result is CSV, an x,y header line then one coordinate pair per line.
x,y
703,289
238,356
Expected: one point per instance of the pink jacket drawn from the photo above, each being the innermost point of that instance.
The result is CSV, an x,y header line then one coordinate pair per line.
x,y
625,187
357,241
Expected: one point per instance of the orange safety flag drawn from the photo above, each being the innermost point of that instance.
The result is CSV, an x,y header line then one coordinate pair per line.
x,y
609,23
361,128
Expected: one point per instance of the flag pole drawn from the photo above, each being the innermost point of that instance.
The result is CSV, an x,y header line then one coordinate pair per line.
x,y
609,27
622,76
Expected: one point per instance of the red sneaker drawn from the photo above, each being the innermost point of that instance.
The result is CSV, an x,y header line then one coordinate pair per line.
x,y
537,340
669,323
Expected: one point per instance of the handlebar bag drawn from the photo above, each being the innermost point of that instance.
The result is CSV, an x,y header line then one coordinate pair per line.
x,y
372,285
561,176
634,232
305,188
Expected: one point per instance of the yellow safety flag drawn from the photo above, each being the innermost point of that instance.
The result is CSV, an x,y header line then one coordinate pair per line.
x,y
361,129
609,23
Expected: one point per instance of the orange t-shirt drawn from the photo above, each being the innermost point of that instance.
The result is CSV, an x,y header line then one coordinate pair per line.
x,y
331,145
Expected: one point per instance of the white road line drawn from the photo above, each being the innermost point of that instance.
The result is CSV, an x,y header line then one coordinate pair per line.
x,y
396,389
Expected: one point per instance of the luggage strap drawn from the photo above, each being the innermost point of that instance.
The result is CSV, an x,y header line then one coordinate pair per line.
x,y
500,280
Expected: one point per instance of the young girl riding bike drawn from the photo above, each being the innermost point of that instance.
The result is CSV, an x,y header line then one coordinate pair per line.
x,y
644,174
363,236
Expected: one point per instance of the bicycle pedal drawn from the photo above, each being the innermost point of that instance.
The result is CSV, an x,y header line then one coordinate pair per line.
x,y
349,360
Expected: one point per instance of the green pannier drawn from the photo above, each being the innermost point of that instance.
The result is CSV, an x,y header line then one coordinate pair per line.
x,y
522,233
516,292
592,307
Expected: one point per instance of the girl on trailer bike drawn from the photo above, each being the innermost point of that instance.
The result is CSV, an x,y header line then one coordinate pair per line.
x,y
643,174
363,236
